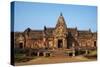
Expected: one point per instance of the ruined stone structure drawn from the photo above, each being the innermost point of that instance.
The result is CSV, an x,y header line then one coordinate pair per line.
x,y
59,37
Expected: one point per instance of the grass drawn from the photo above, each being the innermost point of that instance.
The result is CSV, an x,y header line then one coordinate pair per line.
x,y
92,55
23,58
92,52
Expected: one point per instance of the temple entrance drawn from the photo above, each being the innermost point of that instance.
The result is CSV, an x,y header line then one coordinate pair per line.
x,y
20,45
95,43
60,43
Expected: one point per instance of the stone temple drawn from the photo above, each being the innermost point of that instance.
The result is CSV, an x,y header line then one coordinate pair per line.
x,y
60,38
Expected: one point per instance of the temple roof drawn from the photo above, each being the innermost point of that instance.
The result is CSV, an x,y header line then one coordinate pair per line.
x,y
36,34
49,32
84,33
72,29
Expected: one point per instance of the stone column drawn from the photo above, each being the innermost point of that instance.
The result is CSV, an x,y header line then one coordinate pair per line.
x,y
73,46
55,43
50,54
38,53
86,52
64,43
44,53
73,53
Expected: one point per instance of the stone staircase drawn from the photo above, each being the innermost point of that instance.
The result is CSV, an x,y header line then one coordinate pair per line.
x,y
58,53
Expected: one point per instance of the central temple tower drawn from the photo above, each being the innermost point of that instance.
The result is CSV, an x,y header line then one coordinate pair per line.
x,y
60,33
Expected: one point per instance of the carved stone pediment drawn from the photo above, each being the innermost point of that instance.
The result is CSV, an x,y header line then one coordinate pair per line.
x,y
61,27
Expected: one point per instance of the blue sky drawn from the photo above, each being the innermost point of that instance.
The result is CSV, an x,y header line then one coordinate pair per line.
x,y
38,15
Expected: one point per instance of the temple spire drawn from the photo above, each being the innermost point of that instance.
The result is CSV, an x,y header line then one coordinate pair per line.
x,y
45,28
61,21
61,14
89,30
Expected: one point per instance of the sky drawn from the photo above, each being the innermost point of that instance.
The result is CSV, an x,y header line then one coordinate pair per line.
x,y
37,15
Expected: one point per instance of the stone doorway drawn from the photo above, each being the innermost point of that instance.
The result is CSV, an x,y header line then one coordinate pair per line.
x,y
94,43
20,45
60,43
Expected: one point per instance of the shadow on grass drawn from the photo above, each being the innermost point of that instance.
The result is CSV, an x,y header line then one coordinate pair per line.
x,y
23,58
